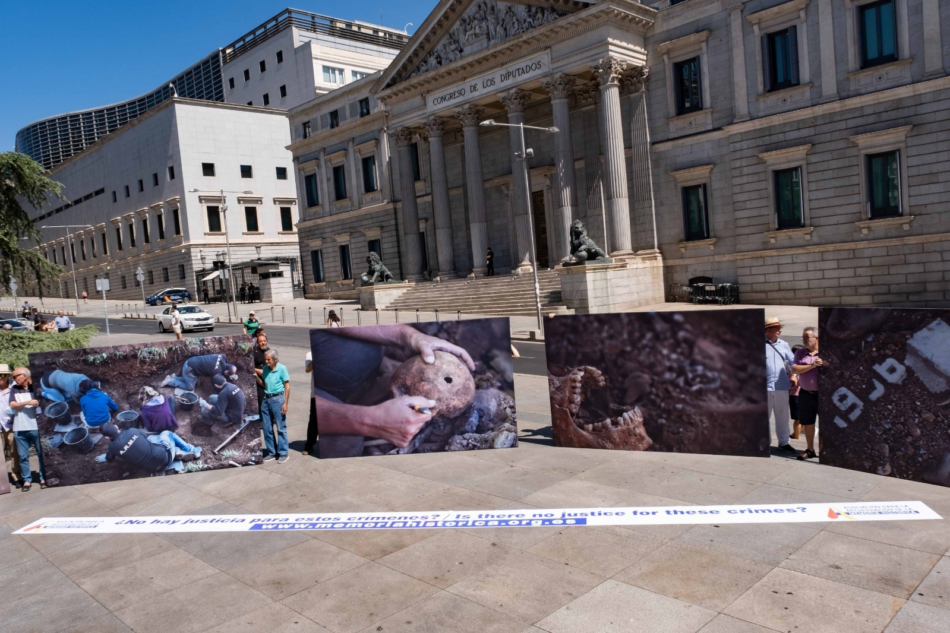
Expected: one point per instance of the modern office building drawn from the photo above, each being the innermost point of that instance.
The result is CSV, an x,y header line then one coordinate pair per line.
x,y
149,196
285,61
798,148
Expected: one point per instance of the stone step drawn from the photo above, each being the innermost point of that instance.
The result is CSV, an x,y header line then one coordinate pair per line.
x,y
501,294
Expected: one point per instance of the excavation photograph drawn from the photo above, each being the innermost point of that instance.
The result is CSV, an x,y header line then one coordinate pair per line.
x,y
659,381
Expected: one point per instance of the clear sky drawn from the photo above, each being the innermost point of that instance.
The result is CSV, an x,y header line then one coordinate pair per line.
x,y
62,55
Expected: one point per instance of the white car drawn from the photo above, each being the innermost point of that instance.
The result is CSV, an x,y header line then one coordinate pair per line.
x,y
192,318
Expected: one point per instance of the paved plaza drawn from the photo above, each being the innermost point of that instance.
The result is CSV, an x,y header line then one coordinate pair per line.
x,y
868,576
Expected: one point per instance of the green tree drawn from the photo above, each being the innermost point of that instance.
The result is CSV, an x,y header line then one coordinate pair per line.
x,y
22,178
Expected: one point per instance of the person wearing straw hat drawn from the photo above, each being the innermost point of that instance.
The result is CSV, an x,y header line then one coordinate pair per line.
x,y
6,423
778,366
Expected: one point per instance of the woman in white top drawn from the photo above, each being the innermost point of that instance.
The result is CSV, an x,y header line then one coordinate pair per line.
x,y
333,320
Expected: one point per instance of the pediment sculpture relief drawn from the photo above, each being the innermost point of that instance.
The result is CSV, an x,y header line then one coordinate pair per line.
x,y
484,24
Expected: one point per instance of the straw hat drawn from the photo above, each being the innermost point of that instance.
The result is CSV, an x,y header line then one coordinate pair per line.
x,y
773,322
5,369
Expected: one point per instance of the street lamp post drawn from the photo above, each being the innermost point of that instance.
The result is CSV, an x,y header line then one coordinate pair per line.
x,y
522,156
72,251
140,276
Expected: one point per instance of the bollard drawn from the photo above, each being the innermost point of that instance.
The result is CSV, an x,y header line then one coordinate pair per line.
x,y
436,315
310,314
272,314
295,315
377,316
396,310
358,319
283,315
459,316
324,315
417,315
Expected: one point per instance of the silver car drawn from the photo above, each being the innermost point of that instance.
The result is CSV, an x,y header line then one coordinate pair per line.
x,y
192,318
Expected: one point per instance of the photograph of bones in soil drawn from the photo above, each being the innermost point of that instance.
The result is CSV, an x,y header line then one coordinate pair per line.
x,y
112,413
414,388
884,391
691,382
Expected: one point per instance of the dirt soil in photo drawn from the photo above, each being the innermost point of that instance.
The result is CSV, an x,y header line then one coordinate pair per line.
x,y
697,378
878,414
123,370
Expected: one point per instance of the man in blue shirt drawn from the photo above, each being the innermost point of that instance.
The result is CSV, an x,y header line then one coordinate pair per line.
x,y
208,365
275,379
778,363
62,322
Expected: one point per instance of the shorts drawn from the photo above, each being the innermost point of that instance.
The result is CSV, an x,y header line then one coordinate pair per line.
x,y
793,407
176,329
808,406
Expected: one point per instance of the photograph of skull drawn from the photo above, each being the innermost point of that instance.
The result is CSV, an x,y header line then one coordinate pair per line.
x,y
685,382
414,388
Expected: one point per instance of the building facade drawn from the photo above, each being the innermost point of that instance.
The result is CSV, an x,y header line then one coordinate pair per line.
x,y
149,196
282,63
796,148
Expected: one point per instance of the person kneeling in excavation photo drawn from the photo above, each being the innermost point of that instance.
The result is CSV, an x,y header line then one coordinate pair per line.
x,y
226,406
157,411
153,454
96,406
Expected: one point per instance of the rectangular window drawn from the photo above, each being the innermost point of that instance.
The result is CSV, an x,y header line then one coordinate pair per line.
x,y
281,173
154,180
369,173
250,103
231,83
266,99
122,282
339,183
283,91
884,185
263,66
780,58
306,129
105,244
126,191
207,169
72,251
151,278
280,57
131,235
250,219
181,271
114,198
286,220
246,171
788,199
878,27
358,74
165,276
688,86
160,219
62,251
414,154
214,219
92,245
82,249
345,271
333,75
375,246
695,216
145,235
364,107
54,255
171,172
247,75
316,265
310,188
334,119
141,186
176,220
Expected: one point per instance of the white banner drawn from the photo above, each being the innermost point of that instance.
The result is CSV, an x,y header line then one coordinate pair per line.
x,y
494,82
534,517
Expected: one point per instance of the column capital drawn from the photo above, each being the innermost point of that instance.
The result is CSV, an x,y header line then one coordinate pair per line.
x,y
514,100
586,93
404,137
435,126
608,70
559,86
469,115
635,78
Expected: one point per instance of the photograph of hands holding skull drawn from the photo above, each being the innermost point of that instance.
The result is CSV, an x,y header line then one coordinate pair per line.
x,y
414,388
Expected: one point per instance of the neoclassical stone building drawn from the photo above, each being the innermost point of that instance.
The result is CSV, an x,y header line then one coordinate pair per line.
x,y
797,148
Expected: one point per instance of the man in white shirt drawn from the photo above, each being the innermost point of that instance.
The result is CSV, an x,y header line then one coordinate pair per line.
x,y
62,322
26,407
6,422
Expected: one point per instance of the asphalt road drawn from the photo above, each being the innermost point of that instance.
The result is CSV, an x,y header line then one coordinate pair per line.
x,y
532,359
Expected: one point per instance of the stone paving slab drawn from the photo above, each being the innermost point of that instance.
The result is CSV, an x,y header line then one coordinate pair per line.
x,y
867,576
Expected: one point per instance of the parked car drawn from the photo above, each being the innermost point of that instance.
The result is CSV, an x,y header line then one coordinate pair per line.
x,y
16,325
168,295
192,318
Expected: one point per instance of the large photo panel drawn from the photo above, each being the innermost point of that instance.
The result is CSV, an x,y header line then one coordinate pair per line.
x,y
414,388
685,382
884,401
111,413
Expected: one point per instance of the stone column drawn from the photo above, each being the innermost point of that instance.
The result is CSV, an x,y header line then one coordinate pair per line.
x,y
470,116
440,198
739,85
565,197
826,45
515,102
643,205
411,244
933,58
608,72
355,176
323,177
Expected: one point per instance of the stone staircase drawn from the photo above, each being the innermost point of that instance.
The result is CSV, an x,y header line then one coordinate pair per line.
x,y
511,295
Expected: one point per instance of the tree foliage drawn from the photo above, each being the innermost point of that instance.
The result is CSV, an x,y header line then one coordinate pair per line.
x,y
15,346
23,179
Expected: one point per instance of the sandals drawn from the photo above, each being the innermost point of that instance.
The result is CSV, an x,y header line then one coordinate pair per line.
x,y
808,454
43,485
26,487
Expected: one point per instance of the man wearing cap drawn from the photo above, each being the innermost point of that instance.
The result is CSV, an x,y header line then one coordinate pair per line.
x,y
153,454
95,405
197,366
226,406
6,422
778,366
251,324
